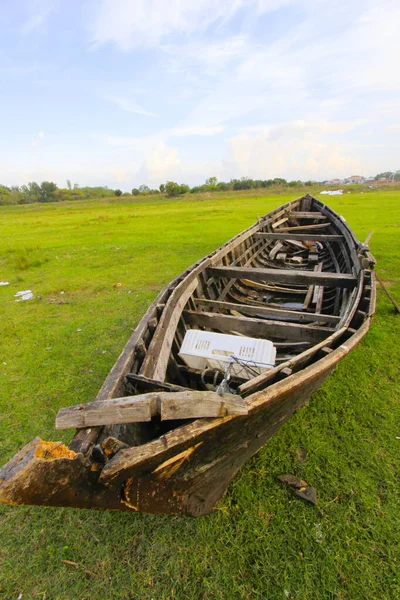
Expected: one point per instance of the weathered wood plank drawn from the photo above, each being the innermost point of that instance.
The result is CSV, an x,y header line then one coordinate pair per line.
x,y
268,311
307,215
141,408
150,385
286,276
305,227
300,237
156,361
257,327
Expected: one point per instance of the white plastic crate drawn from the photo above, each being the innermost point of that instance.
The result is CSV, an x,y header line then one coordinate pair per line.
x,y
249,356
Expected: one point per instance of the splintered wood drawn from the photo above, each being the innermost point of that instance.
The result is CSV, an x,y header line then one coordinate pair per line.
x,y
141,408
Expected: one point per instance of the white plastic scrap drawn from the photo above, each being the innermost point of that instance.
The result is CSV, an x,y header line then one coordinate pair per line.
x,y
24,295
332,192
4,283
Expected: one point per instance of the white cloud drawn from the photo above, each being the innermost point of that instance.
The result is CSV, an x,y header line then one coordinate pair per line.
x,y
294,151
129,106
161,164
149,22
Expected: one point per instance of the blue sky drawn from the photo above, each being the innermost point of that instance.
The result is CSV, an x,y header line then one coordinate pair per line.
x,y
130,92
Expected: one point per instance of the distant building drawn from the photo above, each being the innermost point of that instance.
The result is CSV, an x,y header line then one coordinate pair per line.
x,y
355,179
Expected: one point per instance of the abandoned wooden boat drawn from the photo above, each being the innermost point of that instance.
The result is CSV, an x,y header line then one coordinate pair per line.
x,y
166,437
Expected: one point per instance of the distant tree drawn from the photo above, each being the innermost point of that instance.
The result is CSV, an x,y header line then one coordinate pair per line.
x,y
174,189
385,175
397,176
162,188
31,192
117,193
212,181
308,183
47,191
296,183
280,181
135,192
144,189
222,186
69,186
76,186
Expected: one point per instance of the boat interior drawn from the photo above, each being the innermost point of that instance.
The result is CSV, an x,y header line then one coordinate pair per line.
x,y
298,278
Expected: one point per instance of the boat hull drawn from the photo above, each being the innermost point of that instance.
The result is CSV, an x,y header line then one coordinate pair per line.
x,y
187,470
190,468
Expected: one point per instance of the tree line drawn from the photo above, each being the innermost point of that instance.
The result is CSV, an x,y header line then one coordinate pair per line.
x,y
48,191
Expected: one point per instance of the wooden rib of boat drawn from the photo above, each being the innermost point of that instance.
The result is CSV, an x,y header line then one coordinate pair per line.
x,y
298,277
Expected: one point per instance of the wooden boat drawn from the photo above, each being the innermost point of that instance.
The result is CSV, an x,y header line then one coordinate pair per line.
x,y
298,277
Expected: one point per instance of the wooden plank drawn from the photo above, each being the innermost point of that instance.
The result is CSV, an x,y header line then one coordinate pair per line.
x,y
257,327
205,404
267,311
300,237
307,215
156,361
277,247
133,409
145,384
286,276
305,227
280,222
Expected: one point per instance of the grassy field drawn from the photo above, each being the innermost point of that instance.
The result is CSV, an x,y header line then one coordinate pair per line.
x,y
56,350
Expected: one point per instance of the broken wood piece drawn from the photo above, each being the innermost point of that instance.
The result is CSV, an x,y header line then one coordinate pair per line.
x,y
292,480
141,408
276,248
308,494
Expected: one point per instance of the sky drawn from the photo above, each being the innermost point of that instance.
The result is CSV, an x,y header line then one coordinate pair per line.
x,y
130,92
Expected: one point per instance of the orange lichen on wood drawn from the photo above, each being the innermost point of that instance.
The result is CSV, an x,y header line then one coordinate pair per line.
x,y
53,450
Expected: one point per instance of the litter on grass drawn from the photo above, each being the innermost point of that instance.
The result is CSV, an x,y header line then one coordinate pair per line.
x,y
332,192
24,295
4,283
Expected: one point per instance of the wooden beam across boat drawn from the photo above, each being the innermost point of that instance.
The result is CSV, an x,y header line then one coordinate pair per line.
x,y
286,276
141,408
268,311
305,227
307,215
299,237
257,327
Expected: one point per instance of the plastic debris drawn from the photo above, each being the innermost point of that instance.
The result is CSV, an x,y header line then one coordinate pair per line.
x,y
24,295
4,283
117,285
332,192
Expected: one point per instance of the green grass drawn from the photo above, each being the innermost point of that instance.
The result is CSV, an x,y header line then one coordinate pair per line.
x,y
261,542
